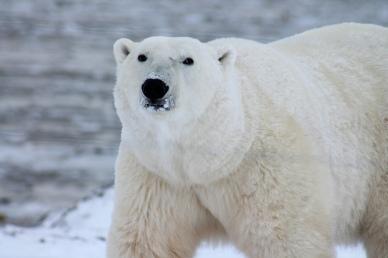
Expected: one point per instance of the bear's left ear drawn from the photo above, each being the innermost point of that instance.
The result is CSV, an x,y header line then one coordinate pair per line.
x,y
121,49
226,55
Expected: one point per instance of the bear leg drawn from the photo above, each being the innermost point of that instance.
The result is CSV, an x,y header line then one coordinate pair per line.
x,y
265,239
374,228
152,219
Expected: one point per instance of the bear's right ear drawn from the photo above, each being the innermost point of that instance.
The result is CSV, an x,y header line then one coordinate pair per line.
x,y
121,49
226,55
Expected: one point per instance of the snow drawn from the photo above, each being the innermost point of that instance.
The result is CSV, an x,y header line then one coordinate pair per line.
x,y
80,233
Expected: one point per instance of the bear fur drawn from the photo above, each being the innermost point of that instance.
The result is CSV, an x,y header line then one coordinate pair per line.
x,y
280,148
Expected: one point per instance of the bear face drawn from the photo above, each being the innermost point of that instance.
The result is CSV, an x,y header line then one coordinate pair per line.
x,y
169,95
169,75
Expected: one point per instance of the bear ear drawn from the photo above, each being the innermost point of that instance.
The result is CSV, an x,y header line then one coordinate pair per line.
x,y
121,49
226,56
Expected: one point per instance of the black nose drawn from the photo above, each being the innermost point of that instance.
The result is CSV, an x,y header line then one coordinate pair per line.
x,y
154,89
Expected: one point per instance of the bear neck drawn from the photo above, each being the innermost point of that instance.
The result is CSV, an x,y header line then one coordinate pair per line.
x,y
201,153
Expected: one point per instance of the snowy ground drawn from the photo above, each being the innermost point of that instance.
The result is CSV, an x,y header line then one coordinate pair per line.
x,y
81,232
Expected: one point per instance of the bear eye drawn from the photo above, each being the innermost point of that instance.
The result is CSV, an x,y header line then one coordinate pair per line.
x,y
142,58
188,61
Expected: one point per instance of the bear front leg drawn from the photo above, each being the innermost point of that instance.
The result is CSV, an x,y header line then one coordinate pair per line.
x,y
153,219
267,216
269,236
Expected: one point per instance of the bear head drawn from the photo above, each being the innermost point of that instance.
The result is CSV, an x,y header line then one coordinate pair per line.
x,y
176,99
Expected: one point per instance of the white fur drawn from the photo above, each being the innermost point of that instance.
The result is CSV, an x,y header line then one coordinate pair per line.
x,y
281,148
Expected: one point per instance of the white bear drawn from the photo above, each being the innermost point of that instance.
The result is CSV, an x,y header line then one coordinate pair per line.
x,y
280,148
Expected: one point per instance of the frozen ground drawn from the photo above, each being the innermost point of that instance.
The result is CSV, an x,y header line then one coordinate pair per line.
x,y
80,233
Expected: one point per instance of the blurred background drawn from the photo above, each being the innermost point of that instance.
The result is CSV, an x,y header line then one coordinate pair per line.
x,y
58,129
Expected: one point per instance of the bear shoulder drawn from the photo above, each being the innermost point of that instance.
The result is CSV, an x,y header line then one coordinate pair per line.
x,y
345,37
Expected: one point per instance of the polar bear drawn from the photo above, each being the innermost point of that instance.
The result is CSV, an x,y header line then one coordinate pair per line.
x,y
280,148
